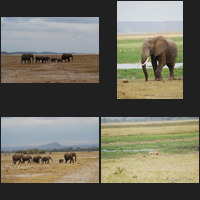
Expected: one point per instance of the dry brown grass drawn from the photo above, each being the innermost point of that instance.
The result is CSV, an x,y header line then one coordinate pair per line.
x,y
83,69
140,89
47,173
175,168
160,128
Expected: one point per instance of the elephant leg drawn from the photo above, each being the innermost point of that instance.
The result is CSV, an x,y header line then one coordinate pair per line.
x,y
162,63
154,64
171,69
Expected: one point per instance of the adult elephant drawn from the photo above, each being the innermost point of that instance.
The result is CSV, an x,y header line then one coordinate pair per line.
x,y
26,57
161,50
26,158
74,155
69,156
17,157
46,159
36,159
67,56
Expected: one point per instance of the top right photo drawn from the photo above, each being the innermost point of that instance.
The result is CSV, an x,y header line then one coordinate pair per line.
x,y
150,50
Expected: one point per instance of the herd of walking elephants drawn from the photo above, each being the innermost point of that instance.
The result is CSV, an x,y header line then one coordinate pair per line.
x,y
36,159
30,58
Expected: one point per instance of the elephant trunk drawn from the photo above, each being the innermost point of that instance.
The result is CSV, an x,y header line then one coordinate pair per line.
x,y
145,72
144,60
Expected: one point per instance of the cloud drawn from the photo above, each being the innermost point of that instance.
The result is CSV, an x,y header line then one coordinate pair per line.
x,y
36,34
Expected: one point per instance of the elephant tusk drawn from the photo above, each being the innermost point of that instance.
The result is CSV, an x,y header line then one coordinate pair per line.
x,y
139,63
145,61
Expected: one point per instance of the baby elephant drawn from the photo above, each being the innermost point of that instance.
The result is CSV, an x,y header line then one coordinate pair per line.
x,y
61,160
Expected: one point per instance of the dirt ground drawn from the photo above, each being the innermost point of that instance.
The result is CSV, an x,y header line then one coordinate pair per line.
x,y
140,89
85,170
83,69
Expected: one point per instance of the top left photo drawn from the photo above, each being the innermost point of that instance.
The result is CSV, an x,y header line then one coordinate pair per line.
x,y
49,49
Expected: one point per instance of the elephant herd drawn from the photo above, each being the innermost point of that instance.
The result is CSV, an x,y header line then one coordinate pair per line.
x,y
36,159
44,59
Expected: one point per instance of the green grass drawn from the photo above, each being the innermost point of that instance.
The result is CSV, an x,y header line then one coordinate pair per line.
x,y
127,55
184,140
138,73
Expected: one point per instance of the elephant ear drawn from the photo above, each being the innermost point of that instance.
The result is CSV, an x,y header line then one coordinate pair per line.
x,y
161,45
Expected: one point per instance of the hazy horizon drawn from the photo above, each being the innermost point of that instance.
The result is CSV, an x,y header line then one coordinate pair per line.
x,y
35,131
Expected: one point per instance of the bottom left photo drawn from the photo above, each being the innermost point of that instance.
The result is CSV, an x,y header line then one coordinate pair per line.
x,y
49,150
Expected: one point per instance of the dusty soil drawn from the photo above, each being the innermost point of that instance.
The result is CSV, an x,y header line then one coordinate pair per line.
x,y
83,69
140,89
87,173
85,170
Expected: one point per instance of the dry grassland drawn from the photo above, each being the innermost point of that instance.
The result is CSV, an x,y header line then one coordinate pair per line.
x,y
148,128
83,69
140,89
176,168
85,170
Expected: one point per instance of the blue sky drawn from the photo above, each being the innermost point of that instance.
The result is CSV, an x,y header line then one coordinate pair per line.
x,y
58,34
150,11
23,131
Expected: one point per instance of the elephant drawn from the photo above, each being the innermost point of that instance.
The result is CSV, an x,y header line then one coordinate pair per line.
x,y
45,59
69,156
54,59
162,50
46,159
36,159
28,57
67,56
37,58
74,155
26,158
61,160
17,157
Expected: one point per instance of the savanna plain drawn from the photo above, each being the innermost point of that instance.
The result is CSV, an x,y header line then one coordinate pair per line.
x,y
83,69
84,170
131,83
126,147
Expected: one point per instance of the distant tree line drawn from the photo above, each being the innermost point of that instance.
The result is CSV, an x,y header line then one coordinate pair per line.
x,y
69,149
142,119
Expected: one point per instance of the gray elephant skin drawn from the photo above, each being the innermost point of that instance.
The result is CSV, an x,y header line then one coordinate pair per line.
x,y
67,56
26,57
17,157
26,158
36,159
69,156
46,159
162,50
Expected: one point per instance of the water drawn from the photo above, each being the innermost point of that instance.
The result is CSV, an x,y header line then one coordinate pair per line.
x,y
136,66
130,150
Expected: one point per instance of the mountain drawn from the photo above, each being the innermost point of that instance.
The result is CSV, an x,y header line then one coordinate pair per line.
x,y
49,146
149,27
34,52
53,145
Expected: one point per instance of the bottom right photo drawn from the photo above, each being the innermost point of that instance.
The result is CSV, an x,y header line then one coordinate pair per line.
x,y
149,150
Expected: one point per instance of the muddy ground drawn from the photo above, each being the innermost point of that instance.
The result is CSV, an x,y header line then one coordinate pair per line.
x,y
140,89
83,69
85,170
